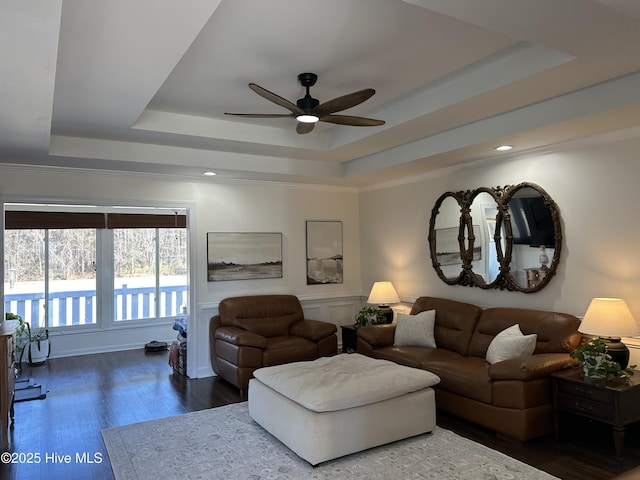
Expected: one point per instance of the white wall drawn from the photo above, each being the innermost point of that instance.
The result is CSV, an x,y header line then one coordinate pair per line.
x,y
279,208
595,189
215,206
385,235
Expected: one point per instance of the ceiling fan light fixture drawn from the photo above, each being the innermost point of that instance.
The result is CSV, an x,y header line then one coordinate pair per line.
x,y
307,118
308,110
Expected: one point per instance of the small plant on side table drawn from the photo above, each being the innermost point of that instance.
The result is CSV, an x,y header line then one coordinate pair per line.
x,y
597,364
369,316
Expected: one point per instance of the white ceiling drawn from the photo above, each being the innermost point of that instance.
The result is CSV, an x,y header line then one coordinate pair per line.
x,y
143,85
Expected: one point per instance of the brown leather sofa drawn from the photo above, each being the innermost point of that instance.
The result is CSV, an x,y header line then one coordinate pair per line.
x,y
262,330
511,397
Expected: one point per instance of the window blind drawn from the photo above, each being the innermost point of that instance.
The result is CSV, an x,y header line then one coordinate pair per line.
x,y
25,220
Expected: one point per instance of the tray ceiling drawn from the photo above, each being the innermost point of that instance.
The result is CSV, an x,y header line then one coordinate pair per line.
x,y
143,86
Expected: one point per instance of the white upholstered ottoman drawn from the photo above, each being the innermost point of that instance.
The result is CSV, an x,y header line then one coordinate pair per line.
x,y
343,404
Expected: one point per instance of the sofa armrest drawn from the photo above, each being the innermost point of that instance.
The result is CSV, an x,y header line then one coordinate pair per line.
x,y
377,335
237,336
530,366
313,330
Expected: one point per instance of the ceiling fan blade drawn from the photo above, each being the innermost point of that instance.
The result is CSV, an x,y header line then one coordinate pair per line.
x,y
261,115
344,102
303,128
278,100
353,121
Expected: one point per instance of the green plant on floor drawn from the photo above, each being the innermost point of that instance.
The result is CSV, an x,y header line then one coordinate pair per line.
x,y
597,364
369,316
35,342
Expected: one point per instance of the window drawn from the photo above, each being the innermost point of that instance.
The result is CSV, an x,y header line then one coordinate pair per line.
x,y
70,279
150,272
126,267
51,274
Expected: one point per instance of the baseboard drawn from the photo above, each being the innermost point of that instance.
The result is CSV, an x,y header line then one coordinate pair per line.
x,y
102,349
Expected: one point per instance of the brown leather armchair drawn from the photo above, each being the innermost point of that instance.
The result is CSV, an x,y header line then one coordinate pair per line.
x,y
263,330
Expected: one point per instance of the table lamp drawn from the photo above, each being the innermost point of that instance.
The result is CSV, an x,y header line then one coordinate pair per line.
x,y
610,319
382,294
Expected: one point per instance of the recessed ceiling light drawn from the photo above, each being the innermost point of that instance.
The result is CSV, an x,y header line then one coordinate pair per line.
x,y
209,174
504,148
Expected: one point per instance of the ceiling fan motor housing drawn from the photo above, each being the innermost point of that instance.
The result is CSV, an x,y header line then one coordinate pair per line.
x,y
308,102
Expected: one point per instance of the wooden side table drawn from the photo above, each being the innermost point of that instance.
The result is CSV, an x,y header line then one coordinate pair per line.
x,y
617,405
349,338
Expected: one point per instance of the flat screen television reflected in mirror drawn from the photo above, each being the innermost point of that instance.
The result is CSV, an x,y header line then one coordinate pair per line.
x,y
531,222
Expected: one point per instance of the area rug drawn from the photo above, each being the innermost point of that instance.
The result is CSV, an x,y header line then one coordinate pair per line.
x,y
225,443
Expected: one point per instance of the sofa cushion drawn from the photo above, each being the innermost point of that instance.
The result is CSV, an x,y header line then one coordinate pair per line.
x,y
286,348
455,321
266,315
466,376
415,357
557,332
510,343
416,330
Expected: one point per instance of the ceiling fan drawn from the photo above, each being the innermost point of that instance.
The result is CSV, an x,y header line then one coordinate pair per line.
x,y
308,110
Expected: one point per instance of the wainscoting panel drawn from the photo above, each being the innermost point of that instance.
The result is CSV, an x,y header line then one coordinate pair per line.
x,y
339,311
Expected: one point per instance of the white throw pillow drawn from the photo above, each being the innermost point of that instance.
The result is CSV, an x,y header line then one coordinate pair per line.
x,y
416,330
510,343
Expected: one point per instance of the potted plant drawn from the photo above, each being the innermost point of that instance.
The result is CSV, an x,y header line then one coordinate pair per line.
x,y
596,363
34,342
13,316
369,316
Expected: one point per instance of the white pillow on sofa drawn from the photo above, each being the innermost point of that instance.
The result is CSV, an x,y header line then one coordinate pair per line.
x,y
510,343
416,330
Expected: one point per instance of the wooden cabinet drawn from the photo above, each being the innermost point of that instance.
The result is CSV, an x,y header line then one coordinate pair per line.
x,y
7,377
614,405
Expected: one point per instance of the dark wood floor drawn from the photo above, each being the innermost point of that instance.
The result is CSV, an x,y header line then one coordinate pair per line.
x,y
93,392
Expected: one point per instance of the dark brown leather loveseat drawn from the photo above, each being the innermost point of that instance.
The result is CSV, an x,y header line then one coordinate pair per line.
x,y
511,397
263,330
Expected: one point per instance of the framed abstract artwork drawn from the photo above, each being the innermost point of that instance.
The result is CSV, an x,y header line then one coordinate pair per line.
x,y
324,252
243,256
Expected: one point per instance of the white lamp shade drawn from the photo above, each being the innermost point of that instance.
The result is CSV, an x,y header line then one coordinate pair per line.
x,y
609,317
383,293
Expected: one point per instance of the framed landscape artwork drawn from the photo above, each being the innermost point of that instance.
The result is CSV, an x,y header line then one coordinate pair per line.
x,y
243,256
448,248
324,252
